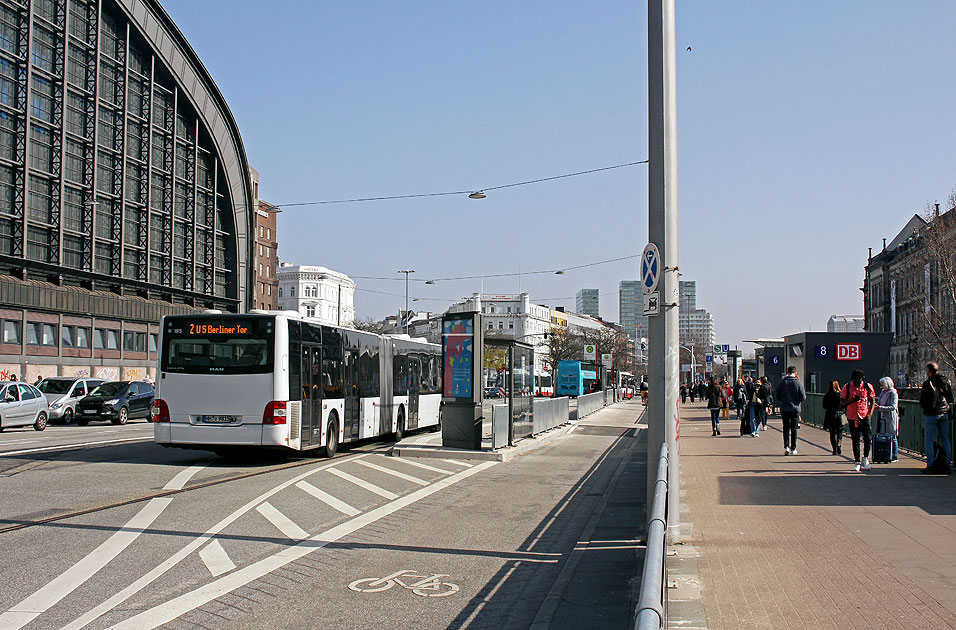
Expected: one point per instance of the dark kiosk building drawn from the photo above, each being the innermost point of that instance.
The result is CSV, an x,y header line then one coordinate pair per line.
x,y
124,187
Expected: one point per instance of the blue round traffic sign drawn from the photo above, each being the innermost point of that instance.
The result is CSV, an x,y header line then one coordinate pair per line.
x,y
650,268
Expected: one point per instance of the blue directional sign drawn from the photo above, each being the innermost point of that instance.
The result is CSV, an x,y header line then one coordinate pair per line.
x,y
650,268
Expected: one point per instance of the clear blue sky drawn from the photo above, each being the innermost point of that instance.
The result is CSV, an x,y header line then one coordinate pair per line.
x,y
807,132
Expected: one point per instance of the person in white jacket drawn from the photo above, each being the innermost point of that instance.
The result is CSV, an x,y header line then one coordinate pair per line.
x,y
889,420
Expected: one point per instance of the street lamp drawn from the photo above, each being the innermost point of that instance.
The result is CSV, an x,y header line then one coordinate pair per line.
x,y
693,363
406,272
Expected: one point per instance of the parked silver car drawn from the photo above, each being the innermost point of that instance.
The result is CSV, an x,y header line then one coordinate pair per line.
x,y
63,392
22,404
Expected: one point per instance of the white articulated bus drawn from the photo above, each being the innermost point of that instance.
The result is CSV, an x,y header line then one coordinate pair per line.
x,y
275,379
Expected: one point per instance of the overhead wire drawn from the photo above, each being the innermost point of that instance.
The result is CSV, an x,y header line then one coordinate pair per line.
x,y
458,192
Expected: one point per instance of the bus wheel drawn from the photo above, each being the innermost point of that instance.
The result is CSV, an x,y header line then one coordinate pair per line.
x,y
399,426
332,442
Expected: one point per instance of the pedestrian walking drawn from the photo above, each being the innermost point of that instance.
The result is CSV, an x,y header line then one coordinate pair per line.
x,y
715,401
760,401
889,419
683,394
728,394
936,399
790,395
39,380
859,397
692,391
833,417
740,397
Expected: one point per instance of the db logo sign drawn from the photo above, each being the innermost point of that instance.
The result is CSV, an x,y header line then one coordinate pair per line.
x,y
848,351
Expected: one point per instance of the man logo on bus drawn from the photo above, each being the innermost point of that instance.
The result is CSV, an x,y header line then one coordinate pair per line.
x,y
848,351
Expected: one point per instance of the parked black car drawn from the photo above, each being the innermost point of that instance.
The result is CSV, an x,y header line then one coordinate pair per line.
x,y
116,401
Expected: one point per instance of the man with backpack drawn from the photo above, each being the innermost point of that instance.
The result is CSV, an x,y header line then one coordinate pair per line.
x,y
791,394
859,398
936,399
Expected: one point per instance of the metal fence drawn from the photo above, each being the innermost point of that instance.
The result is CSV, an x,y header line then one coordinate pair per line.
x,y
499,426
912,435
550,412
589,403
652,603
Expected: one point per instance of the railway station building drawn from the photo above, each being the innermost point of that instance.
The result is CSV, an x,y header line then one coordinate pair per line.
x,y
125,190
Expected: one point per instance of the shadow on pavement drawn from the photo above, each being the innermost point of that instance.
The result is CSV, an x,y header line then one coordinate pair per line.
x,y
595,530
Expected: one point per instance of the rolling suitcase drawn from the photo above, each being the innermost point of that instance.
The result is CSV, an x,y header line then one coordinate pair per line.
x,y
882,451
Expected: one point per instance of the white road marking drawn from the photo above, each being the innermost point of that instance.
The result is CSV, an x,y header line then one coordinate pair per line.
x,y
458,463
282,522
158,571
410,462
328,499
180,480
168,611
216,559
69,446
394,473
361,483
68,581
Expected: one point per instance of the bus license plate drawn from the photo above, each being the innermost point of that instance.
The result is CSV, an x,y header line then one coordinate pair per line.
x,y
218,419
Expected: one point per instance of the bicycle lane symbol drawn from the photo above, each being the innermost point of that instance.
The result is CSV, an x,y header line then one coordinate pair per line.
x,y
423,585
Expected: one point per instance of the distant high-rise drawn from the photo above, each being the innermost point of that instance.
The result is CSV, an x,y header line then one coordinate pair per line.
x,y
696,325
587,302
635,324
688,295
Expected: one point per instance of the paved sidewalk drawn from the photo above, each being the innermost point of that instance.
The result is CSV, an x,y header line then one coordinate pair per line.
x,y
806,542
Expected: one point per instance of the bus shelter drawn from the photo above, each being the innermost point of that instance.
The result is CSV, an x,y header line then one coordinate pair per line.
x,y
512,363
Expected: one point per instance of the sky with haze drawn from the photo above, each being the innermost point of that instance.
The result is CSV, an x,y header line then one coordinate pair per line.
x,y
807,132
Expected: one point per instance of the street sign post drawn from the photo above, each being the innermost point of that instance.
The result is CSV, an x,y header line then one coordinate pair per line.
x,y
651,305
590,352
650,268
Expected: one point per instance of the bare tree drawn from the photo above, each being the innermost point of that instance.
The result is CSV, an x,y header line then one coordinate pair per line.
x,y
370,325
937,329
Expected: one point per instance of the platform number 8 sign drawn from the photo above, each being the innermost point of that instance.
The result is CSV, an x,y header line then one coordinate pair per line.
x,y
822,352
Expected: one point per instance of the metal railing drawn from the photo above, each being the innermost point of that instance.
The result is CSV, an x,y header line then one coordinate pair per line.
x,y
652,603
499,426
912,431
589,403
550,412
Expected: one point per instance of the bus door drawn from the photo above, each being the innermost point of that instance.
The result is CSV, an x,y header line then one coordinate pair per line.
x,y
350,422
311,394
414,389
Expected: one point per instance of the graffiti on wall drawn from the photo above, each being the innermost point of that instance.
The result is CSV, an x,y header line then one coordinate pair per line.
x,y
108,372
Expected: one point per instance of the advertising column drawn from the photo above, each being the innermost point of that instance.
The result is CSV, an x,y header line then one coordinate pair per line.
x,y
462,393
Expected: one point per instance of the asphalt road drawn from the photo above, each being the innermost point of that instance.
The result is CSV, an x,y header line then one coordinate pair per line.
x,y
99,528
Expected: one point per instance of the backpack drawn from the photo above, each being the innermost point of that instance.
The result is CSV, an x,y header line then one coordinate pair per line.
x,y
940,397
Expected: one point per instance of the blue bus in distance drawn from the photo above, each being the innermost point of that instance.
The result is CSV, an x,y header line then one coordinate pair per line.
x,y
576,378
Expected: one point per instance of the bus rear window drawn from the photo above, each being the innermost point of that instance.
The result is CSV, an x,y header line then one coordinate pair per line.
x,y
199,346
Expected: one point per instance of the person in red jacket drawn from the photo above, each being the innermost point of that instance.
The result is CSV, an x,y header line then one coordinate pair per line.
x,y
859,398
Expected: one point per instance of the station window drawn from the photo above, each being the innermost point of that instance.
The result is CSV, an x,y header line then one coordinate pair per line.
x,y
153,342
10,330
75,336
105,339
134,341
39,334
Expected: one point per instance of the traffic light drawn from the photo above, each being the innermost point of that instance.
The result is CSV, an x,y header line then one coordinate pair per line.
x,y
643,346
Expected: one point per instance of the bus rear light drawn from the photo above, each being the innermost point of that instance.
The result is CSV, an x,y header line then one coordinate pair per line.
x,y
159,411
275,412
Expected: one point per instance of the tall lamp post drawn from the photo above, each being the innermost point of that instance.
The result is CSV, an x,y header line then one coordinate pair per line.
x,y
693,363
406,272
